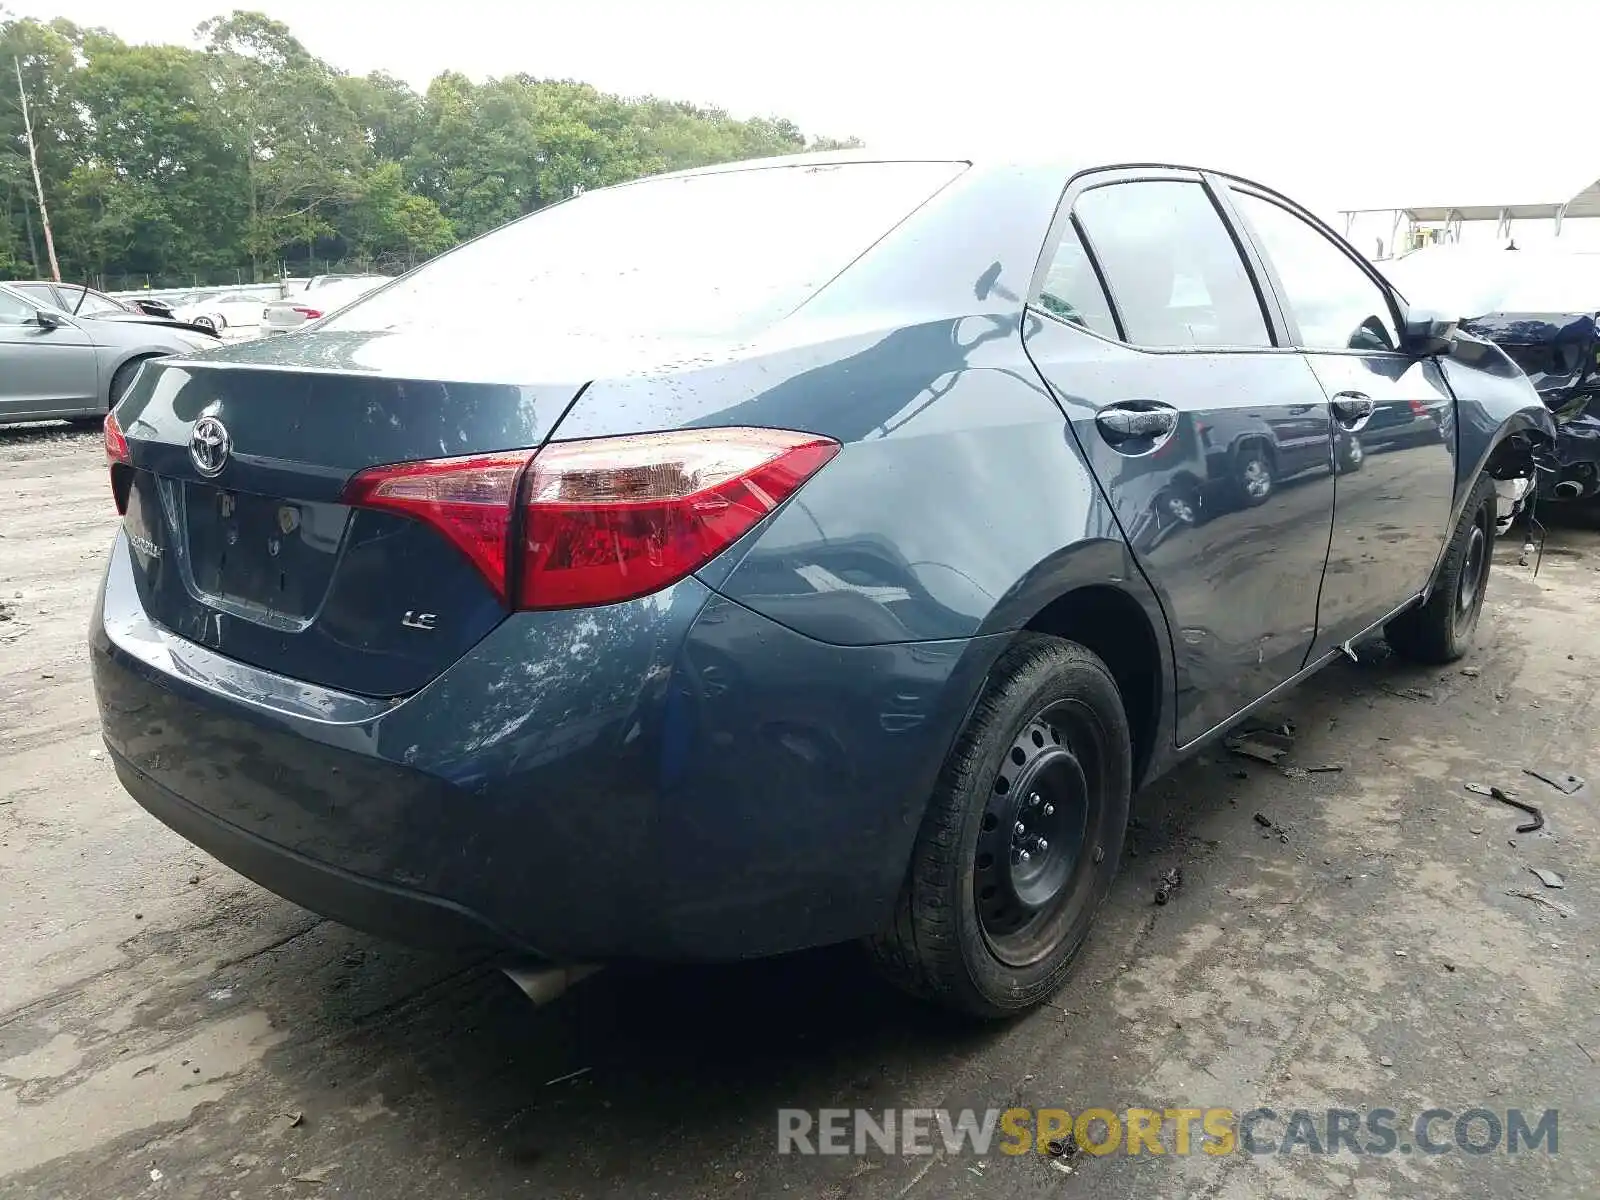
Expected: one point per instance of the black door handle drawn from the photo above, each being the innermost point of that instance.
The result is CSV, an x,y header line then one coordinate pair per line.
x,y
1122,423
1351,409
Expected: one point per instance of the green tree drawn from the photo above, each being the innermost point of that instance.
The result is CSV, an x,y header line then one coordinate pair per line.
x,y
172,161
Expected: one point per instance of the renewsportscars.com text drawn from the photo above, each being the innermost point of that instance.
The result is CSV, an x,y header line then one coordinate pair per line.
x,y
1176,1131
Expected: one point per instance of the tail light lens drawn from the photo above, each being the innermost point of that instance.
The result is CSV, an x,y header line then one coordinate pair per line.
x,y
117,455
1418,407
469,500
597,522
310,314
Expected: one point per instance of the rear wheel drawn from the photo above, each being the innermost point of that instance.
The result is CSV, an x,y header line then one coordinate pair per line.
x,y
208,323
1021,837
1441,630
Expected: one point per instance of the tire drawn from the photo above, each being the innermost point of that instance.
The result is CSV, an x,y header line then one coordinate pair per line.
x,y
208,323
1441,630
119,384
963,934
123,379
1253,477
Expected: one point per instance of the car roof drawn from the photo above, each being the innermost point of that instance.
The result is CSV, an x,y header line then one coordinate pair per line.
x,y
1065,164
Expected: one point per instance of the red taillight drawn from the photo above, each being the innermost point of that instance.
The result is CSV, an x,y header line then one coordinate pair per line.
x,y
1418,407
604,520
116,443
616,518
310,314
469,500
117,455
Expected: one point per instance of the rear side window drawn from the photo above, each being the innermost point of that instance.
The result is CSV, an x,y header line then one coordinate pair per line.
x,y
703,255
1072,290
1336,304
1174,271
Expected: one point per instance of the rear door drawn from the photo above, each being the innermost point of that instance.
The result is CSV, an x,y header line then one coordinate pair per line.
x,y
43,371
1166,357
1393,415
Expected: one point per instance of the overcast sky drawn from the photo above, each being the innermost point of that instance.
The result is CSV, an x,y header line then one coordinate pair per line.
x,y
1341,104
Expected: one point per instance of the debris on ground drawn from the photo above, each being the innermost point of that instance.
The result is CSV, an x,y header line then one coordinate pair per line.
x,y
568,1075
1549,878
1471,672
1505,797
1263,745
1411,693
1168,882
1563,781
1326,768
293,1118
1385,1061
1566,910
1062,1147
1240,774
144,1070
1293,772
315,1175
1271,827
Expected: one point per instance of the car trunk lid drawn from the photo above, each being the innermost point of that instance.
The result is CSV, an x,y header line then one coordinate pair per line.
x,y
240,537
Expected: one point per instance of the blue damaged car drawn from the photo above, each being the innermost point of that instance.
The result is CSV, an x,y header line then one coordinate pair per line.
x,y
790,558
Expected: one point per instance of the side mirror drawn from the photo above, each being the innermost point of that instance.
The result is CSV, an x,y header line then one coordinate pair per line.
x,y
46,319
1429,333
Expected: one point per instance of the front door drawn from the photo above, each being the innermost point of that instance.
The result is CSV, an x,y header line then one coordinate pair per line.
x,y
1395,433
1209,440
44,371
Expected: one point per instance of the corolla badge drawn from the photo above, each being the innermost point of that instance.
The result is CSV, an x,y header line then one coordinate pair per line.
x,y
209,446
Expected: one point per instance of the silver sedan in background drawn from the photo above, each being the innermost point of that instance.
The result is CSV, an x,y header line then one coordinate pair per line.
x,y
56,365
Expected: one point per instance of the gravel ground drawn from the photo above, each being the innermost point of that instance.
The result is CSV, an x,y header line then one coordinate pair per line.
x,y
168,1029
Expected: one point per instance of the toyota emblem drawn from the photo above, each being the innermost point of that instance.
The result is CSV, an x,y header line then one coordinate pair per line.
x,y
209,446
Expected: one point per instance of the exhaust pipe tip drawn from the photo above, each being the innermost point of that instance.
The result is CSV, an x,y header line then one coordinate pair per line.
x,y
542,983
1568,489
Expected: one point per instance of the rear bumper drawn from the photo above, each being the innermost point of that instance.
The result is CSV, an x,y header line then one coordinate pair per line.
x,y
397,913
672,778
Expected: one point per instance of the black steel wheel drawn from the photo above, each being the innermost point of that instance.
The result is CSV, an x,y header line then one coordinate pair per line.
x,y
1441,630
1021,837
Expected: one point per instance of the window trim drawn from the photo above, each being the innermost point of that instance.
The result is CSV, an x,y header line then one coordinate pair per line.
x,y
1267,298
1036,287
1297,340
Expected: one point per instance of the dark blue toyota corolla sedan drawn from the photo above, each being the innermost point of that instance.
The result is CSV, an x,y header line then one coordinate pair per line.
x,y
781,554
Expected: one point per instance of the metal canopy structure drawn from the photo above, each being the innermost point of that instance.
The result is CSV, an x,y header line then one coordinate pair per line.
x,y
1583,203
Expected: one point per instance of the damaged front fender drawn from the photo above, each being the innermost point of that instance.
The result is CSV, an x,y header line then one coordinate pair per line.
x,y
1502,426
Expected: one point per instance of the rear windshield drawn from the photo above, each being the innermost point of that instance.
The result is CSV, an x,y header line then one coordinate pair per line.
x,y
705,255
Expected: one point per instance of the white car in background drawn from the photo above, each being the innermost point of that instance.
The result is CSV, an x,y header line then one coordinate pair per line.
x,y
317,301
233,313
